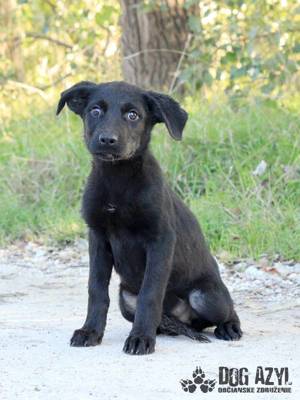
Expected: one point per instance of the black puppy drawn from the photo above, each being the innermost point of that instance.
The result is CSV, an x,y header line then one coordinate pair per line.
x,y
170,283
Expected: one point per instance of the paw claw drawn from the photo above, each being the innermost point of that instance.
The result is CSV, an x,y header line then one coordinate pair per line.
x,y
85,338
199,337
139,345
229,331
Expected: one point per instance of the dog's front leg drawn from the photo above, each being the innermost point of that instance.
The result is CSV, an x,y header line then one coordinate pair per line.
x,y
150,299
101,262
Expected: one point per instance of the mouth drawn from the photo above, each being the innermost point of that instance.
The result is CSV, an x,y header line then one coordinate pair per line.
x,y
107,156
104,156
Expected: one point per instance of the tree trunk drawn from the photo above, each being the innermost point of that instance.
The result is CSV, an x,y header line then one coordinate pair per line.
x,y
153,41
11,48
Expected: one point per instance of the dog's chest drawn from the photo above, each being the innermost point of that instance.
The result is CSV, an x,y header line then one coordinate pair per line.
x,y
118,212
110,208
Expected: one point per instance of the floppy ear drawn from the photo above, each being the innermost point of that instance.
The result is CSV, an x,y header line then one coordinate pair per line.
x,y
76,97
167,110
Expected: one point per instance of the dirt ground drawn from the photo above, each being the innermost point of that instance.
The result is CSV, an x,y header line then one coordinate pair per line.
x,y
43,299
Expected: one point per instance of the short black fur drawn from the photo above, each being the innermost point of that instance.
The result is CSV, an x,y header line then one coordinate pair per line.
x,y
170,283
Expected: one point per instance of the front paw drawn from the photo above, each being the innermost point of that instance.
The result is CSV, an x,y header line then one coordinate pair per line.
x,y
230,330
85,338
139,344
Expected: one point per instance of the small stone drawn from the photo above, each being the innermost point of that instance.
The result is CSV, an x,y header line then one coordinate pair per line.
x,y
240,267
254,273
283,270
81,244
39,253
295,277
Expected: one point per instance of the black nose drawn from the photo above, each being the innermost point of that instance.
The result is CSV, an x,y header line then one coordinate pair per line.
x,y
107,140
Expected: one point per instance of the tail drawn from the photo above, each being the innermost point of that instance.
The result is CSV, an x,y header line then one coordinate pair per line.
x,y
172,326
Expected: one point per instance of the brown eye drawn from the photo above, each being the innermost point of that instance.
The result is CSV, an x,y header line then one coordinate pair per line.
x,y
96,112
132,115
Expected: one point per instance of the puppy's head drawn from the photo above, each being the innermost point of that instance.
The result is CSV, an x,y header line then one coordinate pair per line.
x,y
118,117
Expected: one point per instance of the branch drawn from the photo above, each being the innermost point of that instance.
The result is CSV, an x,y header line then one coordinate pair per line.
x,y
51,5
29,88
176,73
155,51
49,39
108,36
56,82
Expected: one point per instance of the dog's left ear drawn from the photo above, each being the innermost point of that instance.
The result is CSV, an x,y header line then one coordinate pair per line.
x,y
165,109
76,97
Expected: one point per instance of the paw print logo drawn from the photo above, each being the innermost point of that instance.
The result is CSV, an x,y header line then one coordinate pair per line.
x,y
188,385
208,385
198,376
199,380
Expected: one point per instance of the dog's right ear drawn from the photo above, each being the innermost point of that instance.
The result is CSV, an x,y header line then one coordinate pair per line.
x,y
76,97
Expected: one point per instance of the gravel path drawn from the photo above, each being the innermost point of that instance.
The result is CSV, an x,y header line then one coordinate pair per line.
x,y
43,299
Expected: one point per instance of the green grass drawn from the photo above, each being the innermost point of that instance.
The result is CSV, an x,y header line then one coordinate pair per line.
x,y
44,165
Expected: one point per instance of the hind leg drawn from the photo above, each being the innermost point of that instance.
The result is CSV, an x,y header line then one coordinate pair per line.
x,y
169,325
127,304
229,330
212,303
